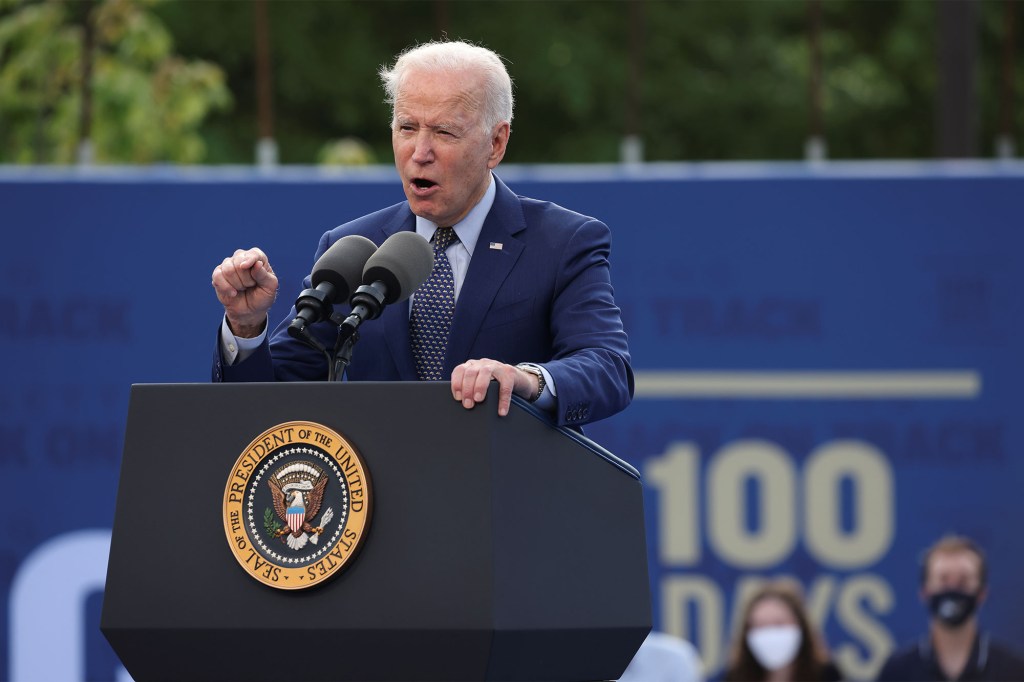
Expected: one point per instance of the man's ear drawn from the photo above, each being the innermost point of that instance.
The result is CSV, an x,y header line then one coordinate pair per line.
x,y
499,142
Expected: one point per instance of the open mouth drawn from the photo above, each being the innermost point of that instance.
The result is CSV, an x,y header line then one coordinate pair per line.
x,y
423,183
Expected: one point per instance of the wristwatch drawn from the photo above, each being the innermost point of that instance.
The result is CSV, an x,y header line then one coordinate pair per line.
x,y
535,371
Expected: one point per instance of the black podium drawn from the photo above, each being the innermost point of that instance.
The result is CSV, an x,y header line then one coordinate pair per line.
x,y
499,548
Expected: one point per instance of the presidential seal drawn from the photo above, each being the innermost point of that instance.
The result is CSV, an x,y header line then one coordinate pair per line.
x,y
297,505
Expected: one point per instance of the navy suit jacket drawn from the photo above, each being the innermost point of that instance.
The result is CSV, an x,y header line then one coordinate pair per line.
x,y
537,290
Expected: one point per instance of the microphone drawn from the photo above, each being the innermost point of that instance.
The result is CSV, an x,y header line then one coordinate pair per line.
x,y
335,274
397,269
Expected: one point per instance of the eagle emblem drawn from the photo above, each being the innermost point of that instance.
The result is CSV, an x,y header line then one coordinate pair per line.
x,y
297,505
297,491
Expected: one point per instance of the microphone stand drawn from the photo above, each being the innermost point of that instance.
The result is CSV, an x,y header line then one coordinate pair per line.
x,y
367,303
347,337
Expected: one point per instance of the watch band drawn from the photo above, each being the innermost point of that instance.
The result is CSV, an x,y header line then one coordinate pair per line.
x,y
536,371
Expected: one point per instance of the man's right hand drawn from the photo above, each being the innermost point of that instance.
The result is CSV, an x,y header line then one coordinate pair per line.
x,y
246,286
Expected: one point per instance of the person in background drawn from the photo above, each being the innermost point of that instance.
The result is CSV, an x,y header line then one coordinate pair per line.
x,y
954,584
664,658
775,640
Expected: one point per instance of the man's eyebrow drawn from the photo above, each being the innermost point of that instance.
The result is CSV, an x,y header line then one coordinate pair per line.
x,y
453,125
450,126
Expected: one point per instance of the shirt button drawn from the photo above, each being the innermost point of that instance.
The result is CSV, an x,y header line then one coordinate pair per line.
x,y
232,348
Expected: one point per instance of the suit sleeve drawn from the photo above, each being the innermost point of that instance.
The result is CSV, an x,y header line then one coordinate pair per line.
x,y
591,364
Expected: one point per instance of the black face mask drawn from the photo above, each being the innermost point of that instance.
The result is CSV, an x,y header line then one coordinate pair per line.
x,y
952,607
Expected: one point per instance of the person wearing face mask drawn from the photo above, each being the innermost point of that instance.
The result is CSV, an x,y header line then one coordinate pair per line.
x,y
953,586
775,640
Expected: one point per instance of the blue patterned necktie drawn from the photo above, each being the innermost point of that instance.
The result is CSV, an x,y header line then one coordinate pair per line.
x,y
433,307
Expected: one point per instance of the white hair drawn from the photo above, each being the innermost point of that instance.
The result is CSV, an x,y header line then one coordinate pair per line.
x,y
450,57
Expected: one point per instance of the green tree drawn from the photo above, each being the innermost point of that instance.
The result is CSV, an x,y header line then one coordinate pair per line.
x,y
147,103
719,80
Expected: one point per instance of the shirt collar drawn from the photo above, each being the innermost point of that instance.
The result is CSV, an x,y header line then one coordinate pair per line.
x,y
976,662
468,229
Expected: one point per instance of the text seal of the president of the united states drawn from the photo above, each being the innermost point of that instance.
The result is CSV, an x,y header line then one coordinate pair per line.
x,y
296,505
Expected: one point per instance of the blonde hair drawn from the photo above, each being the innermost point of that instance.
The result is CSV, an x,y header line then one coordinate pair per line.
x,y
953,544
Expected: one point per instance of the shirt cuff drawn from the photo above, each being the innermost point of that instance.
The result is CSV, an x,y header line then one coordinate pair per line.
x,y
235,349
548,398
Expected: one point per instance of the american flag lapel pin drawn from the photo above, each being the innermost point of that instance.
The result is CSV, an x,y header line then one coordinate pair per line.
x,y
496,246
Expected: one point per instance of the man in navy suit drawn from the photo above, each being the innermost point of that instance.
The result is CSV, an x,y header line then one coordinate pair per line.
x,y
534,307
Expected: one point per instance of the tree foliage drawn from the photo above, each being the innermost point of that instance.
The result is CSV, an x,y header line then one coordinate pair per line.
x,y
717,80
148,103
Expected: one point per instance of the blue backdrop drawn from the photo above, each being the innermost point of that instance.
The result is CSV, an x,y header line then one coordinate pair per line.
x,y
828,363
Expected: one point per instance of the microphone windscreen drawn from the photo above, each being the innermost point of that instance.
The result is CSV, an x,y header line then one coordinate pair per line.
x,y
403,262
342,265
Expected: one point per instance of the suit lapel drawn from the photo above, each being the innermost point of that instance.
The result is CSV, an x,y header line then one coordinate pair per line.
x,y
496,253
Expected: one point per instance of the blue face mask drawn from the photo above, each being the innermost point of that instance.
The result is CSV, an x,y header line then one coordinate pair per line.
x,y
952,607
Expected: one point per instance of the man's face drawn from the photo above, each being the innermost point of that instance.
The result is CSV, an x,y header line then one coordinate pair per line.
x,y
958,570
953,588
442,151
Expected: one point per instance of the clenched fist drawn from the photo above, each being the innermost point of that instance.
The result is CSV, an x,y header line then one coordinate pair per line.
x,y
246,286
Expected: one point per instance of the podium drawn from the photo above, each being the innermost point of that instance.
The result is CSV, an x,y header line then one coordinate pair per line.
x,y
498,548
